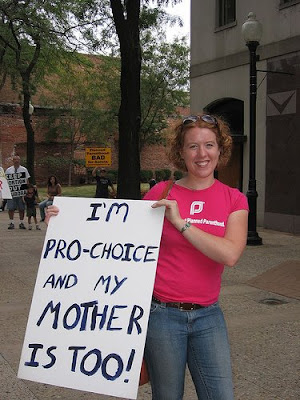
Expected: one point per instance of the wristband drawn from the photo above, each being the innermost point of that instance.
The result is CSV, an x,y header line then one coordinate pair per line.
x,y
185,227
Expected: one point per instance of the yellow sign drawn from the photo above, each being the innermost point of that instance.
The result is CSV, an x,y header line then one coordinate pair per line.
x,y
97,156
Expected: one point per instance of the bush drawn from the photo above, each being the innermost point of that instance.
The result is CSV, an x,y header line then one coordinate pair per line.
x,y
82,180
146,175
162,174
178,175
113,175
159,175
79,162
167,173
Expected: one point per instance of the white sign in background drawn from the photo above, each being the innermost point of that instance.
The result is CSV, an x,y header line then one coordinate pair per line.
x,y
17,183
88,319
4,188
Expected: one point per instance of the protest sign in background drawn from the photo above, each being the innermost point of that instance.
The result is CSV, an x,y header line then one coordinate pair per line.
x,y
17,183
88,319
4,188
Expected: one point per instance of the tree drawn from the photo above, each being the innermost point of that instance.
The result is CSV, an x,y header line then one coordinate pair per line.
x,y
127,19
33,33
164,80
77,96
164,84
30,30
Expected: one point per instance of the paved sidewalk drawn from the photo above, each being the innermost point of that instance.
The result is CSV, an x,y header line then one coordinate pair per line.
x,y
264,335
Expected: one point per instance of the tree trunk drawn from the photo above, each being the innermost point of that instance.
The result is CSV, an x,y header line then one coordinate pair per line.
x,y
26,75
71,164
30,132
126,18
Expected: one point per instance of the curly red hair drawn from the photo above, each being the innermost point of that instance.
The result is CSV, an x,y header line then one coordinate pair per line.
x,y
221,131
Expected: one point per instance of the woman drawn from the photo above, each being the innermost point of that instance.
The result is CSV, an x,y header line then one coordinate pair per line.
x,y
205,228
53,189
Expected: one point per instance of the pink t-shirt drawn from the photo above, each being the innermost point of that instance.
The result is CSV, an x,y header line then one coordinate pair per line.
x,y
184,274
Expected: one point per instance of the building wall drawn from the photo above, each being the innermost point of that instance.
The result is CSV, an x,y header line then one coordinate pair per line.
x,y
220,69
282,207
209,43
232,83
13,140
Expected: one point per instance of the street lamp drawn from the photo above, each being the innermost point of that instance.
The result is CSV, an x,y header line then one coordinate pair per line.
x,y
252,32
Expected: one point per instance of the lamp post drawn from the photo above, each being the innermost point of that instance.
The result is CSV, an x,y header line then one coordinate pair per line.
x,y
252,32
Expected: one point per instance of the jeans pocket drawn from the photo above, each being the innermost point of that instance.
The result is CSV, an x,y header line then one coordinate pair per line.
x,y
154,307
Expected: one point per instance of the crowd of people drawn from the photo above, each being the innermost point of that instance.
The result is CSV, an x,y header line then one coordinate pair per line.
x,y
25,197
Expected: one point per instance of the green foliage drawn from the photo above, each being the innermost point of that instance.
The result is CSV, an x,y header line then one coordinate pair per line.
x,y
54,163
159,175
177,175
83,93
39,38
164,76
146,175
163,174
113,175
167,174
79,162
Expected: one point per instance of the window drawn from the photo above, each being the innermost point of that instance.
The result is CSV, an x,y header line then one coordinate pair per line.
x,y
225,12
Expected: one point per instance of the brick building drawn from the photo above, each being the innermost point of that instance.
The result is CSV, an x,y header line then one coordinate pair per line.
x,y
13,140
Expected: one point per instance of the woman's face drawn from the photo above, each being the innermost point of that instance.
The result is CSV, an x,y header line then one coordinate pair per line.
x,y
200,152
52,180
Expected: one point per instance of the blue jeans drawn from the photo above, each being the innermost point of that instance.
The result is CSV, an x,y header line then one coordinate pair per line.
x,y
195,338
43,204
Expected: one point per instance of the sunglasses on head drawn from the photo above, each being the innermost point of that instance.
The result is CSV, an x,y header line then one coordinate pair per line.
x,y
209,119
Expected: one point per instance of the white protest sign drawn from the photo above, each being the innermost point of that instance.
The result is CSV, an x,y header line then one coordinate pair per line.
x,y
17,182
4,188
88,319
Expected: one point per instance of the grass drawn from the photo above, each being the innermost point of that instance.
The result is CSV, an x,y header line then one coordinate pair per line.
x,y
82,190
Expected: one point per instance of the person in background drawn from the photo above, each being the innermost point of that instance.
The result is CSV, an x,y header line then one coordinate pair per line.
x,y
205,228
2,205
17,173
103,182
53,189
31,199
4,202
152,182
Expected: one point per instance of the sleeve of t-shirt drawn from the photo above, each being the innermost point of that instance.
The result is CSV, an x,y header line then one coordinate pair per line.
x,y
240,201
155,192
27,174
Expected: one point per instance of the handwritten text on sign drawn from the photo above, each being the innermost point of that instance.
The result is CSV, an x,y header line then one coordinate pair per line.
x,y
17,183
88,319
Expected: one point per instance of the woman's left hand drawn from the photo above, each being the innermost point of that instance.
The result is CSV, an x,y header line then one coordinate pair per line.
x,y
172,212
51,211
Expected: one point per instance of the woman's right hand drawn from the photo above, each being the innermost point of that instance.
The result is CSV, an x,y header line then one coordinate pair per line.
x,y
51,211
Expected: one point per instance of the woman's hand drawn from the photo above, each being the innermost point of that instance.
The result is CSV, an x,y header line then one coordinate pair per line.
x,y
172,212
51,211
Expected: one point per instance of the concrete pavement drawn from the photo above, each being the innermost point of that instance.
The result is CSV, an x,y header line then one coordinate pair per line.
x,y
264,335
